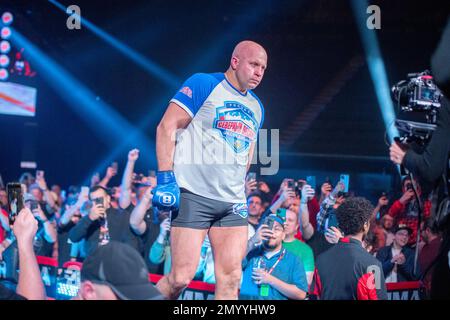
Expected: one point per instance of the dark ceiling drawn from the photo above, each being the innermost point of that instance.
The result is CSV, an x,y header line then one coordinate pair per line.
x,y
309,44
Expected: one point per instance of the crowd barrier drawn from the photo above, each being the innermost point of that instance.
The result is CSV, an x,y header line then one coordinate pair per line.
x,y
197,290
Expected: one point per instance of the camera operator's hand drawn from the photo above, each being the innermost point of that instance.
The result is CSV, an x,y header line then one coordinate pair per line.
x,y
407,197
325,189
250,186
97,211
133,155
262,234
25,227
397,152
307,193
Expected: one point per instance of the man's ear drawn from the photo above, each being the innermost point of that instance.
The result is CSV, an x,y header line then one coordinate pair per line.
x,y
234,62
366,227
87,291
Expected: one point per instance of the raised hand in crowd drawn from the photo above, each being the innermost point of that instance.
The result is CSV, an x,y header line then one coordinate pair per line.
x,y
333,235
263,187
164,229
95,180
30,284
40,180
97,212
407,197
263,233
325,189
383,201
111,171
250,186
307,193
127,179
50,233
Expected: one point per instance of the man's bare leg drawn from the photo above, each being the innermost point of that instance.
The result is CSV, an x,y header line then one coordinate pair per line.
x,y
229,246
185,246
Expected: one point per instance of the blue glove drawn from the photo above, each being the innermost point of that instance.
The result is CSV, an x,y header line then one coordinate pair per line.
x,y
166,195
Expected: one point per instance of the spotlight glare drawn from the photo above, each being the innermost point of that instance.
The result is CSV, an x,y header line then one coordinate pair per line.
x,y
3,74
7,18
5,46
4,60
6,33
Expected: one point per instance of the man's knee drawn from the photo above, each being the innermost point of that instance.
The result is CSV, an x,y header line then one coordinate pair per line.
x,y
180,280
229,278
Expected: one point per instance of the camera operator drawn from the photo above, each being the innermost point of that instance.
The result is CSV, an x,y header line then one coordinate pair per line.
x,y
433,163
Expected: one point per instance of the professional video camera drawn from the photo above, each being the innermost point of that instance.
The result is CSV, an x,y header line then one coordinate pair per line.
x,y
418,102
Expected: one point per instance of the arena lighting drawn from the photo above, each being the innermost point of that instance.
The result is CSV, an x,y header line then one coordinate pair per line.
x,y
7,18
4,74
4,60
148,65
376,67
5,33
5,46
101,117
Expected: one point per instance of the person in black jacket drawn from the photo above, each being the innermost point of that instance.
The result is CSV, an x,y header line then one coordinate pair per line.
x,y
434,162
347,271
102,224
398,259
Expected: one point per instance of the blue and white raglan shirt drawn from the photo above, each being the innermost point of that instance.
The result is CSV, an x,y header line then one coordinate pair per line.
x,y
212,153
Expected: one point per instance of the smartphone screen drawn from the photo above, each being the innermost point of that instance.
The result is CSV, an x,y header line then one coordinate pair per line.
x,y
291,184
99,201
39,174
345,178
251,176
15,199
311,180
33,205
115,165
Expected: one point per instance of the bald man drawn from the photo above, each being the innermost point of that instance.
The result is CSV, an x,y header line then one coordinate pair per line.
x,y
208,161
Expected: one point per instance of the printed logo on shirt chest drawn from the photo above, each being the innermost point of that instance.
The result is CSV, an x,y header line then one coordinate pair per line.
x,y
237,125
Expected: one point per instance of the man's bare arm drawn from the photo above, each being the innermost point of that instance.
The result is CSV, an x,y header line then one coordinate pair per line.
x,y
174,118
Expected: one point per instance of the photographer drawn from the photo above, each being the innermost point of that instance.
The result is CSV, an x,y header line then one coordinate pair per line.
x,y
433,163
102,224
406,209
30,284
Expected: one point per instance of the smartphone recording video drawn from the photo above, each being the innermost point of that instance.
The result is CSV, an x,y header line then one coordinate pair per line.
x,y
15,200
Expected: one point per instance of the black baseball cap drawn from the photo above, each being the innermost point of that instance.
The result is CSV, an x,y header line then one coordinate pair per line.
x,y
403,227
120,267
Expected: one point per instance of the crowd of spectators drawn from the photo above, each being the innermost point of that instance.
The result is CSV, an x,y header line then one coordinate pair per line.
x,y
289,229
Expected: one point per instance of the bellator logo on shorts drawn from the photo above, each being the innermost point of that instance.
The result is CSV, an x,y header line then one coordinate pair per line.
x,y
237,124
